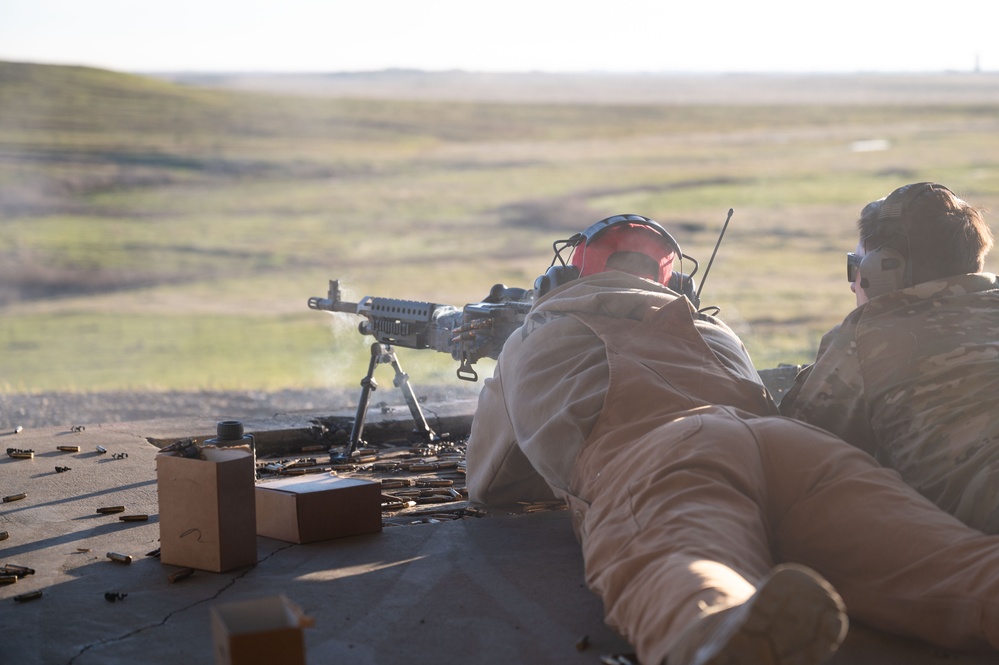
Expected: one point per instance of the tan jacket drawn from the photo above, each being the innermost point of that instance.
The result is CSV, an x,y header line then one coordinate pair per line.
x,y
536,414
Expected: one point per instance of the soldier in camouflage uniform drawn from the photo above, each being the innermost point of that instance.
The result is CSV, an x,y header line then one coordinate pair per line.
x,y
911,375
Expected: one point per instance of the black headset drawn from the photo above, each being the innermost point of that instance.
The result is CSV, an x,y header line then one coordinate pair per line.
x,y
886,269
557,275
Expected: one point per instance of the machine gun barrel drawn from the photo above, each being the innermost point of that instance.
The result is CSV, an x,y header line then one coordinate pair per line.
x,y
328,305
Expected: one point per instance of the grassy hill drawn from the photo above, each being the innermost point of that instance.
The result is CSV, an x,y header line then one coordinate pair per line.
x,y
158,235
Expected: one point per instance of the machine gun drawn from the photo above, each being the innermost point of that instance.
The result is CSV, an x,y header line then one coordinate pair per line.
x,y
484,327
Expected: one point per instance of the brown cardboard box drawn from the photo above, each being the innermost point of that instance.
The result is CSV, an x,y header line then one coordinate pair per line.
x,y
261,631
207,510
304,509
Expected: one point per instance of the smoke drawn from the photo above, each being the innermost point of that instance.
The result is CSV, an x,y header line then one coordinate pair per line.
x,y
432,374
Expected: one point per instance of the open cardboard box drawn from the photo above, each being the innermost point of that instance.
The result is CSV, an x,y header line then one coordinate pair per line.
x,y
207,509
305,509
260,631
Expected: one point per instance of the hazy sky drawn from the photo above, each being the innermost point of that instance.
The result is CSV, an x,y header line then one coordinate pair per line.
x,y
503,35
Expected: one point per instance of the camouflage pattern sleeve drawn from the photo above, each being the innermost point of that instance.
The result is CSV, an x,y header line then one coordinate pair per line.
x,y
790,397
830,393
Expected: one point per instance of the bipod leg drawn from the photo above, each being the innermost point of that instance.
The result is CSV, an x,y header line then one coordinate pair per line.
x,y
421,429
368,384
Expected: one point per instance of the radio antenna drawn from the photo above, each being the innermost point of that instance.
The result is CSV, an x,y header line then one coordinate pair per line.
x,y
715,251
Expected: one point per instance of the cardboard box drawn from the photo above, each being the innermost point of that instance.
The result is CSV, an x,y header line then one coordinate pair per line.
x,y
304,509
259,632
207,510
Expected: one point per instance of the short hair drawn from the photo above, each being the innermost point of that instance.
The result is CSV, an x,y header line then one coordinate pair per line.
x,y
938,233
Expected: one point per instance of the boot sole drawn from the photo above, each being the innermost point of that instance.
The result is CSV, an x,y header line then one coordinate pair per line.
x,y
795,618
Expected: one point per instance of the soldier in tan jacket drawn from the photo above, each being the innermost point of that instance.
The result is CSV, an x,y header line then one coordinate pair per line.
x,y
912,374
714,530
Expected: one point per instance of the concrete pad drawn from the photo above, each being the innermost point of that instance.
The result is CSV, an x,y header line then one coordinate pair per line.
x,y
495,589
504,589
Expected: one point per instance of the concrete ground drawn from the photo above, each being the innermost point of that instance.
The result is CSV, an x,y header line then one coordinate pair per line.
x,y
493,589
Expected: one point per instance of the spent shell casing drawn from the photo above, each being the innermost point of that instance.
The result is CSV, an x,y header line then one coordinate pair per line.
x,y
120,558
101,449
31,595
8,579
23,454
182,574
14,497
68,449
442,482
134,518
108,510
20,571
4,535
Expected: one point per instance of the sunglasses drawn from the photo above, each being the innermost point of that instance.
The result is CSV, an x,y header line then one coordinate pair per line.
x,y
852,266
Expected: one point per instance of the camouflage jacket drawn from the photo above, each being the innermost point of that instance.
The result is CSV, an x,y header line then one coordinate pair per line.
x,y
912,377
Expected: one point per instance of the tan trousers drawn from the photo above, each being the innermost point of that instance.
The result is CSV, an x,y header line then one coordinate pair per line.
x,y
691,515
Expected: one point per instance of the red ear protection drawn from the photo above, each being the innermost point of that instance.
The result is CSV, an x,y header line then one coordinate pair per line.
x,y
625,233
620,236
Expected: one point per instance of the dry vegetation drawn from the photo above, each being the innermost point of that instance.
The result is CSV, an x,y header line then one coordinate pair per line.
x,y
157,234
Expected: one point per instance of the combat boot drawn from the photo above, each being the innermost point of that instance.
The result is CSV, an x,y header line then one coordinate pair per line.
x,y
794,618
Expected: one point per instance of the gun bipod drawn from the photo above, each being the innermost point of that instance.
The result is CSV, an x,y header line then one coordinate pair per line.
x,y
384,354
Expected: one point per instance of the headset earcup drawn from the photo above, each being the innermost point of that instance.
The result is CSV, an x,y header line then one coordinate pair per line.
x,y
684,285
882,271
553,278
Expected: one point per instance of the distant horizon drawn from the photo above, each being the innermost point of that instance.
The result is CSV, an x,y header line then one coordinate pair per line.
x,y
519,36
592,72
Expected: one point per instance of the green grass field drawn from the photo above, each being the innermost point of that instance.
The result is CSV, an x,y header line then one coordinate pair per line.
x,y
155,236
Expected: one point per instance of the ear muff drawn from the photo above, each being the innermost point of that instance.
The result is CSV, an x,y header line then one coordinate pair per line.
x,y
596,230
882,271
615,236
566,272
684,284
553,278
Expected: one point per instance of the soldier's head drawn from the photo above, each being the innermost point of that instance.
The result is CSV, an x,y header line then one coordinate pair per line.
x,y
628,243
918,233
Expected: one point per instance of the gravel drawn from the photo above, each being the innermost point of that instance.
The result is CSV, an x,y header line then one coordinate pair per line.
x,y
71,408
